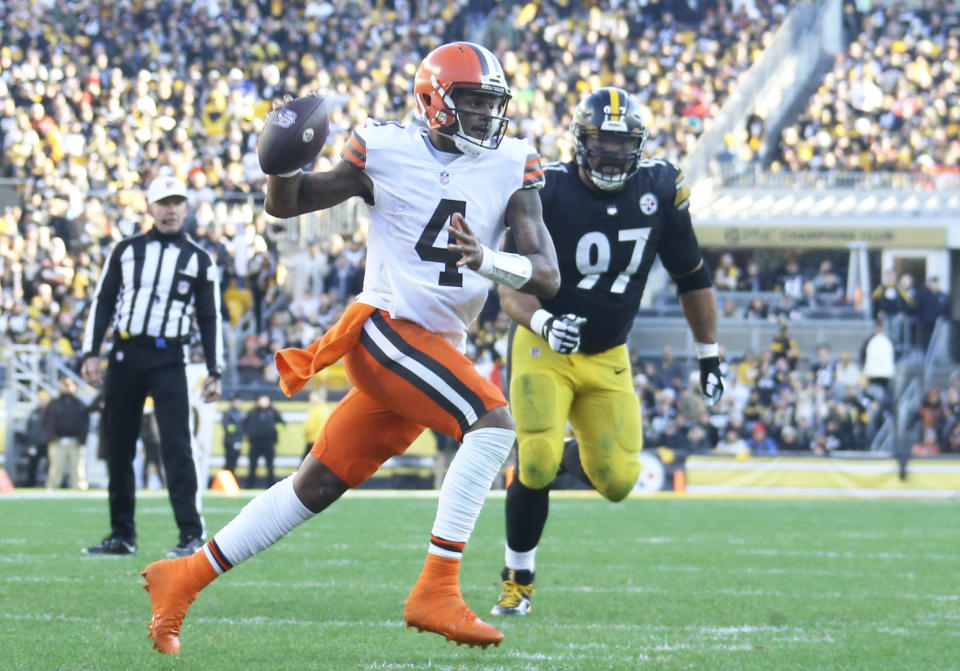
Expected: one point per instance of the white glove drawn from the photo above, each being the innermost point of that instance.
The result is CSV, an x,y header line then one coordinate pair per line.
x,y
561,333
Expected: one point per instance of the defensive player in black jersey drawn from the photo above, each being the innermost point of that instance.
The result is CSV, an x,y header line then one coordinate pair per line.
x,y
610,213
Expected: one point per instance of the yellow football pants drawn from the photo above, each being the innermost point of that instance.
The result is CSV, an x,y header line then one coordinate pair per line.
x,y
595,391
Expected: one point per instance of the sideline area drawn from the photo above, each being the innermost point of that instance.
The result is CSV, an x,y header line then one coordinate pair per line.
x,y
824,477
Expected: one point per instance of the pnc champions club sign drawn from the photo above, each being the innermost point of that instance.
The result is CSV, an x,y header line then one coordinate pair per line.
x,y
925,237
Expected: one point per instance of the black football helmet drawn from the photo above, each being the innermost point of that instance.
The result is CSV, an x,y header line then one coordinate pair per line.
x,y
608,136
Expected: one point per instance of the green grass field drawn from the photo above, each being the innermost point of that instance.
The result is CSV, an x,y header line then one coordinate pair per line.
x,y
661,583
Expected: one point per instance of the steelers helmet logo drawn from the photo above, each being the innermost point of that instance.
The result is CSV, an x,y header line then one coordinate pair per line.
x,y
648,203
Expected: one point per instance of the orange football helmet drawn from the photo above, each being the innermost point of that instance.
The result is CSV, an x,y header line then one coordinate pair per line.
x,y
461,65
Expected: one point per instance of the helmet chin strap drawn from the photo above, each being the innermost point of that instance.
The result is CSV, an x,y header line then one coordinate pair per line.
x,y
455,132
466,146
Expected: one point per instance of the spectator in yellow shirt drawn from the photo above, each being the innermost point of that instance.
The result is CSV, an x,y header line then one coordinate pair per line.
x,y
316,418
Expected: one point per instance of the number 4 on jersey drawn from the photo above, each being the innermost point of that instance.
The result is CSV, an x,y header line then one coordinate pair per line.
x,y
450,276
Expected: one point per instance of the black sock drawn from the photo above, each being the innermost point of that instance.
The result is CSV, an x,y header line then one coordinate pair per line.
x,y
526,511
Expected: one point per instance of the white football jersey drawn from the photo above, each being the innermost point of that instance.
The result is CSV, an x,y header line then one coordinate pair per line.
x,y
410,273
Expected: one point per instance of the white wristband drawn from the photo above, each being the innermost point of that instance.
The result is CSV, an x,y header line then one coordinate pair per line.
x,y
538,320
292,173
512,270
706,350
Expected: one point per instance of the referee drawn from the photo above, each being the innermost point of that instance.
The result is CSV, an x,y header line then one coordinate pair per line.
x,y
152,286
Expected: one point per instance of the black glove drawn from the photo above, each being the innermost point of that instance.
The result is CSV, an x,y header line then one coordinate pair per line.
x,y
711,381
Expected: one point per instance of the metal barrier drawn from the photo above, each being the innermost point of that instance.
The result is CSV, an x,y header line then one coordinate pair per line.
x,y
907,407
938,365
31,369
757,177
343,219
885,440
649,335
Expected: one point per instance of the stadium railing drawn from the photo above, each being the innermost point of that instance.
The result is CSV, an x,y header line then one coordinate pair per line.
x,y
650,334
342,219
757,177
31,369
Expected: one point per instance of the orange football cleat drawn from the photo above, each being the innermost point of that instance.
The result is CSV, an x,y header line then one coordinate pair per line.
x,y
435,604
172,587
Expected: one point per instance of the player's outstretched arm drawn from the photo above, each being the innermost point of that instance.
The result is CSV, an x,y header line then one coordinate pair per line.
x,y
292,195
524,216
533,270
700,310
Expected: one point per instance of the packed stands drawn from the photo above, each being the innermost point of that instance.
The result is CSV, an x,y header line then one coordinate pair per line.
x,y
88,116
892,100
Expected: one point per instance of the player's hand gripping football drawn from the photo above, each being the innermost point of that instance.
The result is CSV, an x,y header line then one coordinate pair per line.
x,y
711,381
562,333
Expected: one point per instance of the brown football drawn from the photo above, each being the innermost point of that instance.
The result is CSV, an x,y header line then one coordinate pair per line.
x,y
293,135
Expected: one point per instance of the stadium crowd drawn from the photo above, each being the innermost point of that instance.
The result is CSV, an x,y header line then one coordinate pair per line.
x,y
891,101
85,113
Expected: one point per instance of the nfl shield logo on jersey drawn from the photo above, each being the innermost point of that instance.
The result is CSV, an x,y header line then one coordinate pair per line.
x,y
648,203
444,177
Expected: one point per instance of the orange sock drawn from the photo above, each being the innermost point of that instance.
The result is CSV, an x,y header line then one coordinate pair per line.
x,y
441,569
199,569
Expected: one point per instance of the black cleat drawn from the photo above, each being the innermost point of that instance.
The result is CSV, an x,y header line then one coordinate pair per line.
x,y
112,547
185,548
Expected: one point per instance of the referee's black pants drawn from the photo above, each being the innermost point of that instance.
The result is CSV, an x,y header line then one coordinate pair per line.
x,y
137,368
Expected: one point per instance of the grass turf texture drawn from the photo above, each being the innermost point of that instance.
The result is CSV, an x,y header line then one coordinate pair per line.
x,y
662,584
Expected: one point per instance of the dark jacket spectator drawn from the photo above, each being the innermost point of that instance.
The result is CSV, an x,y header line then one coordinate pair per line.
x,y
232,421
887,297
66,421
932,304
260,425
66,416
35,441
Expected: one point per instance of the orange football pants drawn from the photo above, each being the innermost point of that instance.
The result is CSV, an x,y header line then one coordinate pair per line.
x,y
406,379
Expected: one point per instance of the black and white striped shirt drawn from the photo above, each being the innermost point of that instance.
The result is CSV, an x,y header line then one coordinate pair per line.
x,y
151,285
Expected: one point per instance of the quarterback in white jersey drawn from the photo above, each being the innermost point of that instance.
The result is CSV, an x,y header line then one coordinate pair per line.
x,y
410,273
440,198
